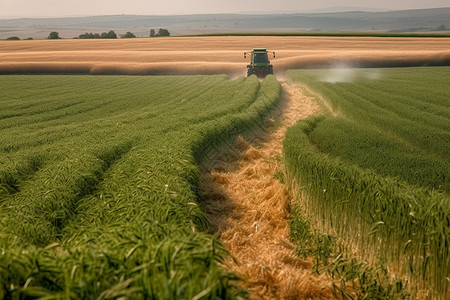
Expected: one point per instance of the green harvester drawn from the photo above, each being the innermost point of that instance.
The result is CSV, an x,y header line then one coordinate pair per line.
x,y
259,62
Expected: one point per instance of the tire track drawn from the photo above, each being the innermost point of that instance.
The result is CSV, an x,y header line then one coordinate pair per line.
x,y
248,208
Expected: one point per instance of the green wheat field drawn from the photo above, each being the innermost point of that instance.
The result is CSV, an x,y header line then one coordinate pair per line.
x,y
99,181
376,166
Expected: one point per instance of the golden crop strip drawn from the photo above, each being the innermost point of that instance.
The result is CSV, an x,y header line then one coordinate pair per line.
x,y
215,55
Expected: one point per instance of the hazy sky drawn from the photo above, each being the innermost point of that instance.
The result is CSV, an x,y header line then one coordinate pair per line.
x,y
54,8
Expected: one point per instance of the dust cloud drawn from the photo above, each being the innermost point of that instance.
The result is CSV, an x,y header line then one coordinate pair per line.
x,y
347,73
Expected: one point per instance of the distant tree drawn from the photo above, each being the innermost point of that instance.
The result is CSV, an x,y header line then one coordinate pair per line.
x,y
163,32
53,36
13,38
441,28
105,35
109,35
29,39
128,35
85,35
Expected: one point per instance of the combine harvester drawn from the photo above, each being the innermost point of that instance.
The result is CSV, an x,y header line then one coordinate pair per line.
x,y
259,62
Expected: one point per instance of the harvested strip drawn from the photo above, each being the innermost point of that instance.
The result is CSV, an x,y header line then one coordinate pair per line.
x,y
248,207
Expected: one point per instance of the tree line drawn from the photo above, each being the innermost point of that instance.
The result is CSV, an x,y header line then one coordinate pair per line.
x,y
110,35
105,35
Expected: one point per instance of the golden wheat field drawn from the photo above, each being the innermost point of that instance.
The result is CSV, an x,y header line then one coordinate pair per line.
x,y
213,55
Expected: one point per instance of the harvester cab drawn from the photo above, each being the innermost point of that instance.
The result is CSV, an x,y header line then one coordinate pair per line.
x,y
259,62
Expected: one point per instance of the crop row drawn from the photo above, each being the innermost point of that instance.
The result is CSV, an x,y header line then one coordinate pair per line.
x,y
98,184
375,172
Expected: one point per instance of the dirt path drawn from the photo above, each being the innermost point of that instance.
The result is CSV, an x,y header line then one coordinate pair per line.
x,y
248,208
